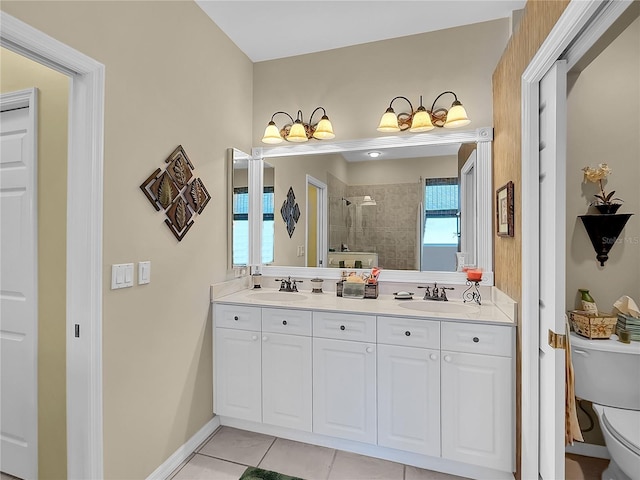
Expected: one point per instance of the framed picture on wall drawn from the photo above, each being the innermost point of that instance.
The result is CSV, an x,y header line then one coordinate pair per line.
x,y
504,210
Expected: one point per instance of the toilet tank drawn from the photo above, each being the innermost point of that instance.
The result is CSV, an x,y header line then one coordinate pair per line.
x,y
606,371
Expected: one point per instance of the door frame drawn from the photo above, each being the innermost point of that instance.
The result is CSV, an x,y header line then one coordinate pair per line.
x,y
321,227
84,238
576,31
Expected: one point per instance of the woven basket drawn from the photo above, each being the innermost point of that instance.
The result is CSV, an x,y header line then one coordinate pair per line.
x,y
591,326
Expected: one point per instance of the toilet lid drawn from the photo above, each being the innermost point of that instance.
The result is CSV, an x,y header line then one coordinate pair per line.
x,y
625,426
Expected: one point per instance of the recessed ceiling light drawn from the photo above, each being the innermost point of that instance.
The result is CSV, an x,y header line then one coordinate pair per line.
x,y
374,154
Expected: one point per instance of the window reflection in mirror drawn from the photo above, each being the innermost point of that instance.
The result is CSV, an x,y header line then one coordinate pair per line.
x,y
238,167
399,211
268,220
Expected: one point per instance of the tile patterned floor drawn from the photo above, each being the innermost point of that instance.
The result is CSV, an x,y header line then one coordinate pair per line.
x,y
226,454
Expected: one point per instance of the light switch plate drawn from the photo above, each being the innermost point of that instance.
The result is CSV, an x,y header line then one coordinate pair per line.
x,y
144,272
121,275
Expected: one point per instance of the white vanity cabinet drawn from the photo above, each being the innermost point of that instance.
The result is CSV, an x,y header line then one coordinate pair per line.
x,y
434,393
238,379
344,376
477,395
286,368
409,385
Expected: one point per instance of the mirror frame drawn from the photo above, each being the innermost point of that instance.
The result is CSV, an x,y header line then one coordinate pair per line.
x,y
484,193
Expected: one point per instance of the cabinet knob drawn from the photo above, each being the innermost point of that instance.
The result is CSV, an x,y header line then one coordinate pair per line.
x,y
369,349
341,327
284,322
433,356
254,337
265,338
447,358
235,318
476,339
407,333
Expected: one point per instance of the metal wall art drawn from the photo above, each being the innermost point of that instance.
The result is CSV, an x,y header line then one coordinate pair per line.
x,y
290,212
177,192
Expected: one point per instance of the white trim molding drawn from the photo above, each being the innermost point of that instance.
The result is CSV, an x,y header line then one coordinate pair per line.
x,y
84,238
184,451
577,29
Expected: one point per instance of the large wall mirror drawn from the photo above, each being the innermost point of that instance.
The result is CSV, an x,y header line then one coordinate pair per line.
x,y
238,207
406,204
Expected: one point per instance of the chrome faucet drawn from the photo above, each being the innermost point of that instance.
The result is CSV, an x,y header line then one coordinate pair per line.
x,y
436,293
288,285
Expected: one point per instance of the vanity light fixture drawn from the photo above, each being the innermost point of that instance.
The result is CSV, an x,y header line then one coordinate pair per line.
x,y
423,120
298,130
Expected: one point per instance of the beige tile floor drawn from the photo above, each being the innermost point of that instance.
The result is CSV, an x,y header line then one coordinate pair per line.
x,y
229,451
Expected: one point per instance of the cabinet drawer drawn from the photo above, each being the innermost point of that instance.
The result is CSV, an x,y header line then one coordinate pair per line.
x,y
476,338
344,326
281,320
236,316
408,332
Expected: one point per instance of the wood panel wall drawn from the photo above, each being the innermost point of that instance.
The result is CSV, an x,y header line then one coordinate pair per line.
x,y
537,21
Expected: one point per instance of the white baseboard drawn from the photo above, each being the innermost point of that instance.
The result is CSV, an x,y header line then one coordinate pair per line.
x,y
183,452
588,450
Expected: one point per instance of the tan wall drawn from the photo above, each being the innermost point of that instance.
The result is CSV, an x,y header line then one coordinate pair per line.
x,y
172,77
616,143
535,24
355,84
537,21
19,73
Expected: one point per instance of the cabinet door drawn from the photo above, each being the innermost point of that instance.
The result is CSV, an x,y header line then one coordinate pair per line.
x,y
237,372
286,380
477,410
409,399
344,389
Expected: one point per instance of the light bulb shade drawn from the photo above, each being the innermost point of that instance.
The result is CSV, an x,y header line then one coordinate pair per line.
x,y
272,134
421,121
389,122
324,129
457,116
297,133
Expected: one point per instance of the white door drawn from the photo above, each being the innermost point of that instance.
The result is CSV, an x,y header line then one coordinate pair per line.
x,y
286,381
344,389
477,396
409,399
238,375
18,289
552,158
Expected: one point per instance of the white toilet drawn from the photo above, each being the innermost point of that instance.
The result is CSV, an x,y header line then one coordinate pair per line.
x,y
607,373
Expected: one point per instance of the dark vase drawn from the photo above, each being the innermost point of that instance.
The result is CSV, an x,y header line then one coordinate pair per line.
x,y
608,208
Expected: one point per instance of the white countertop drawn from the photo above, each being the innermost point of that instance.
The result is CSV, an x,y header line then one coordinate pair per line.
x,y
383,305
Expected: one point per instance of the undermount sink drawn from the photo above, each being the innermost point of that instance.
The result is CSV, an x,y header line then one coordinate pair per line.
x,y
278,296
439,307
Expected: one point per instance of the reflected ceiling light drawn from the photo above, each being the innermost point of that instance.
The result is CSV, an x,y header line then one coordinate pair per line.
x,y
367,200
374,154
298,130
423,120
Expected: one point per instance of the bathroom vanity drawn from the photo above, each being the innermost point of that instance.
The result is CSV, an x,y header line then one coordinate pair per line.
x,y
429,384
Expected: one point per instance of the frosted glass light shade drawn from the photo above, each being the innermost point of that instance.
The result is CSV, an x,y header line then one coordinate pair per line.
x,y
389,122
297,133
271,134
457,116
324,129
421,121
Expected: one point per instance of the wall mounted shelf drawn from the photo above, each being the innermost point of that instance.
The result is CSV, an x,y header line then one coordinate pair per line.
x,y
603,230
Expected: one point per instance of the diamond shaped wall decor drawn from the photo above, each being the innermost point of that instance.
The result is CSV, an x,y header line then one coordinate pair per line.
x,y
176,192
290,212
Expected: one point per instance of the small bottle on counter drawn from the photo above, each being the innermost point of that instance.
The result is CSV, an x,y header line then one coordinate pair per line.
x,y
588,303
